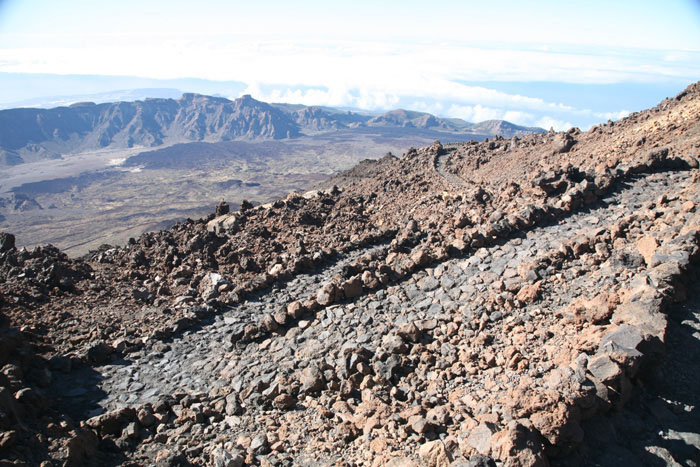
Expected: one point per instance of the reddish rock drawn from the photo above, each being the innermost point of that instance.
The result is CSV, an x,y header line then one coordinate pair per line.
x,y
284,402
327,295
517,445
434,454
529,293
295,309
647,246
352,287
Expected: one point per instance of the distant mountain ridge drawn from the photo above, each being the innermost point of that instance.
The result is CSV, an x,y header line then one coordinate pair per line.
x,y
28,134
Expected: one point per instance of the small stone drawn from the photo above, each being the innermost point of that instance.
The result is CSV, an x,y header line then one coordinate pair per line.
x,y
284,402
520,445
647,246
233,407
269,323
311,379
276,270
434,454
529,293
420,257
419,424
82,447
428,283
409,332
624,336
259,445
111,422
394,344
145,417
132,430
281,317
327,294
222,458
295,309
353,287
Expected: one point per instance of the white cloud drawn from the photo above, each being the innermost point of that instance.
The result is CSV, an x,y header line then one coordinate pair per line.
x,y
374,99
474,113
519,117
370,75
612,115
549,122
400,68
336,96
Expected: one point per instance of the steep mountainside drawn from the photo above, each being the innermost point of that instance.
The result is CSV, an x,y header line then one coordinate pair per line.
x,y
36,133
32,134
464,304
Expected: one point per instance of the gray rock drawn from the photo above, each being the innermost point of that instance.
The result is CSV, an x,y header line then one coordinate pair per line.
x,y
233,407
259,445
389,368
327,294
604,368
480,438
221,458
409,332
394,344
428,283
480,460
7,242
624,336
311,379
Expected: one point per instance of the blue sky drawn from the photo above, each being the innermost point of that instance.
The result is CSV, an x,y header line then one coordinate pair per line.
x,y
541,63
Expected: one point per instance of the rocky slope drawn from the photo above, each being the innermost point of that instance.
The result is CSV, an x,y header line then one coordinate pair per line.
x,y
466,304
33,134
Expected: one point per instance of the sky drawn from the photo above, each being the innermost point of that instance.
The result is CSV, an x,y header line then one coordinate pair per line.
x,y
539,63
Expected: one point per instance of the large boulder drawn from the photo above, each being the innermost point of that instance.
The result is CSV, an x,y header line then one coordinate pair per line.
x,y
563,143
434,454
7,242
226,223
519,445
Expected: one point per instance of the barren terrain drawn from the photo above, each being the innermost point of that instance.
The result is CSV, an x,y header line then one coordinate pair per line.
x,y
86,200
510,302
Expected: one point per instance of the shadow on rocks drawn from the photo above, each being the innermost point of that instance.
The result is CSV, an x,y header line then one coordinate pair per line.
x,y
77,394
661,424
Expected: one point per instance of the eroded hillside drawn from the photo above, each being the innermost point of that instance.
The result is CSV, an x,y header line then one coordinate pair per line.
x,y
472,303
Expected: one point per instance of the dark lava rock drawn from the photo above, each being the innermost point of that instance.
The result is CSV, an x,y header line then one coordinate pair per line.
x,y
7,242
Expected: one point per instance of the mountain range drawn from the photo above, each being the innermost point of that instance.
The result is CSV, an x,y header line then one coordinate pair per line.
x,y
31,134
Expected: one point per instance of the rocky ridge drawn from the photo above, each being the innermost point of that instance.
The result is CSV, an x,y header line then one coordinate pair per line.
x,y
44,133
466,304
28,134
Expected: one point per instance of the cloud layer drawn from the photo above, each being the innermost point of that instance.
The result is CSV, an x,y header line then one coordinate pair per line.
x,y
374,75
